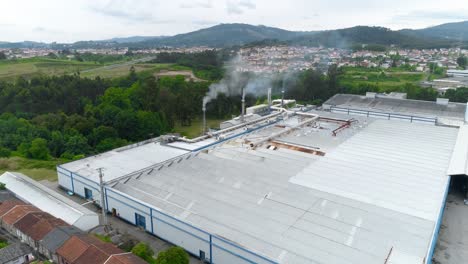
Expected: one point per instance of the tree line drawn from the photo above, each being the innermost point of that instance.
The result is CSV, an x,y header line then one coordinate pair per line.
x,y
71,116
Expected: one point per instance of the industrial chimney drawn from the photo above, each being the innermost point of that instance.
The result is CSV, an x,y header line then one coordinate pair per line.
x,y
204,119
282,98
243,106
269,98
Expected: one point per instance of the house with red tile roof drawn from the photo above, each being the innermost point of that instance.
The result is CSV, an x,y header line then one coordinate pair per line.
x,y
7,205
14,215
35,226
81,249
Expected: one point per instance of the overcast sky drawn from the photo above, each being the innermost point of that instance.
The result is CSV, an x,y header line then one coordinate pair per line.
x,y
73,20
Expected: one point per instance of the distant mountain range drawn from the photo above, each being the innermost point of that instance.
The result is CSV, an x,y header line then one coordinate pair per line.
x,y
225,35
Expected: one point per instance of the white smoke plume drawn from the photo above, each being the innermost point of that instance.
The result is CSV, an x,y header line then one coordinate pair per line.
x,y
235,80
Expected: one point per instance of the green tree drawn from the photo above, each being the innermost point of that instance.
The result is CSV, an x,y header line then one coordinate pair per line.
x,y
110,143
143,251
3,56
77,144
462,61
174,255
4,152
39,149
56,144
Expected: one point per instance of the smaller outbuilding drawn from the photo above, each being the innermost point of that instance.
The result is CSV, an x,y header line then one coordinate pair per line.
x,y
9,219
55,239
33,227
17,253
82,249
49,201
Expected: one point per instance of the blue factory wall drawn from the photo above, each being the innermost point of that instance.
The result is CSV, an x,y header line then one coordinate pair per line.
x,y
198,242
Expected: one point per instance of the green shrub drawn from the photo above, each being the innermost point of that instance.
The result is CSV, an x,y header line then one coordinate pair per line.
x,y
39,149
3,243
2,187
4,152
103,238
174,255
144,251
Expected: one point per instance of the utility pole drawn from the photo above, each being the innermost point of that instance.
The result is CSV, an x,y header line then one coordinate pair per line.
x,y
103,208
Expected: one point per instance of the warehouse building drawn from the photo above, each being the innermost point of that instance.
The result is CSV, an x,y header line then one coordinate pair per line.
x,y
315,187
49,201
384,106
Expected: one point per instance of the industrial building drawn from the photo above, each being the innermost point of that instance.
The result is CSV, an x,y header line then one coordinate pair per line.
x,y
49,201
396,107
328,186
458,73
41,234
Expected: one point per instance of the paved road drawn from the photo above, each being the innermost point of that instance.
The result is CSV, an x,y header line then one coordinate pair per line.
x,y
452,246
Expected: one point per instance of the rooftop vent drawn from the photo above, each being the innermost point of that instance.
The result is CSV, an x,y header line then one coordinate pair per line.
x,y
442,101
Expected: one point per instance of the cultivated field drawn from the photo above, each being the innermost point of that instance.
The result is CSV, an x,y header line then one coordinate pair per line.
x,y
36,169
385,80
10,70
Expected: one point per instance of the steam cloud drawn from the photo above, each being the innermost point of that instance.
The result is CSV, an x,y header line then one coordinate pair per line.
x,y
235,80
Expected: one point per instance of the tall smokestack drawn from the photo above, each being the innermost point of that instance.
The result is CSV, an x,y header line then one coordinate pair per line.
x,y
282,98
204,119
243,105
269,98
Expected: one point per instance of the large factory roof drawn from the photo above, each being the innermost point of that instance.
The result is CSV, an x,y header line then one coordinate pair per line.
x,y
451,110
374,192
120,162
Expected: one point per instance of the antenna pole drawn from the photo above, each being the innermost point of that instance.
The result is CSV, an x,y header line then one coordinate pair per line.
x,y
103,208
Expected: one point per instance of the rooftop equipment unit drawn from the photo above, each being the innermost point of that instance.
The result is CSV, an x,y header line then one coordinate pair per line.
x,y
442,101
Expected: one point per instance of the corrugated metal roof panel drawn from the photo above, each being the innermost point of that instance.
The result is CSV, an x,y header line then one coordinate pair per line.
x,y
459,161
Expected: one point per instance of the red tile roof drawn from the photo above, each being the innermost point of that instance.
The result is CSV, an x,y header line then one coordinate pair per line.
x,y
92,255
73,248
18,212
29,220
39,230
87,249
7,205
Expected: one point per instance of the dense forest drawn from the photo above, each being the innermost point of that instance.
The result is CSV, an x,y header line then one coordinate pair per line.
x,y
71,116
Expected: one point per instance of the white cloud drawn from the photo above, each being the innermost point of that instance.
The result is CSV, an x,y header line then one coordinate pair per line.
x,y
239,7
72,20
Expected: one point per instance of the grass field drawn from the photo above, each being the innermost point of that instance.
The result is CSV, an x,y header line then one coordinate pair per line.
x,y
195,129
385,80
10,70
36,169
120,70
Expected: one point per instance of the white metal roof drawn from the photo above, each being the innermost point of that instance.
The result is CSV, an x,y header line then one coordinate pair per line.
x,y
451,111
459,161
398,166
120,162
296,207
49,201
